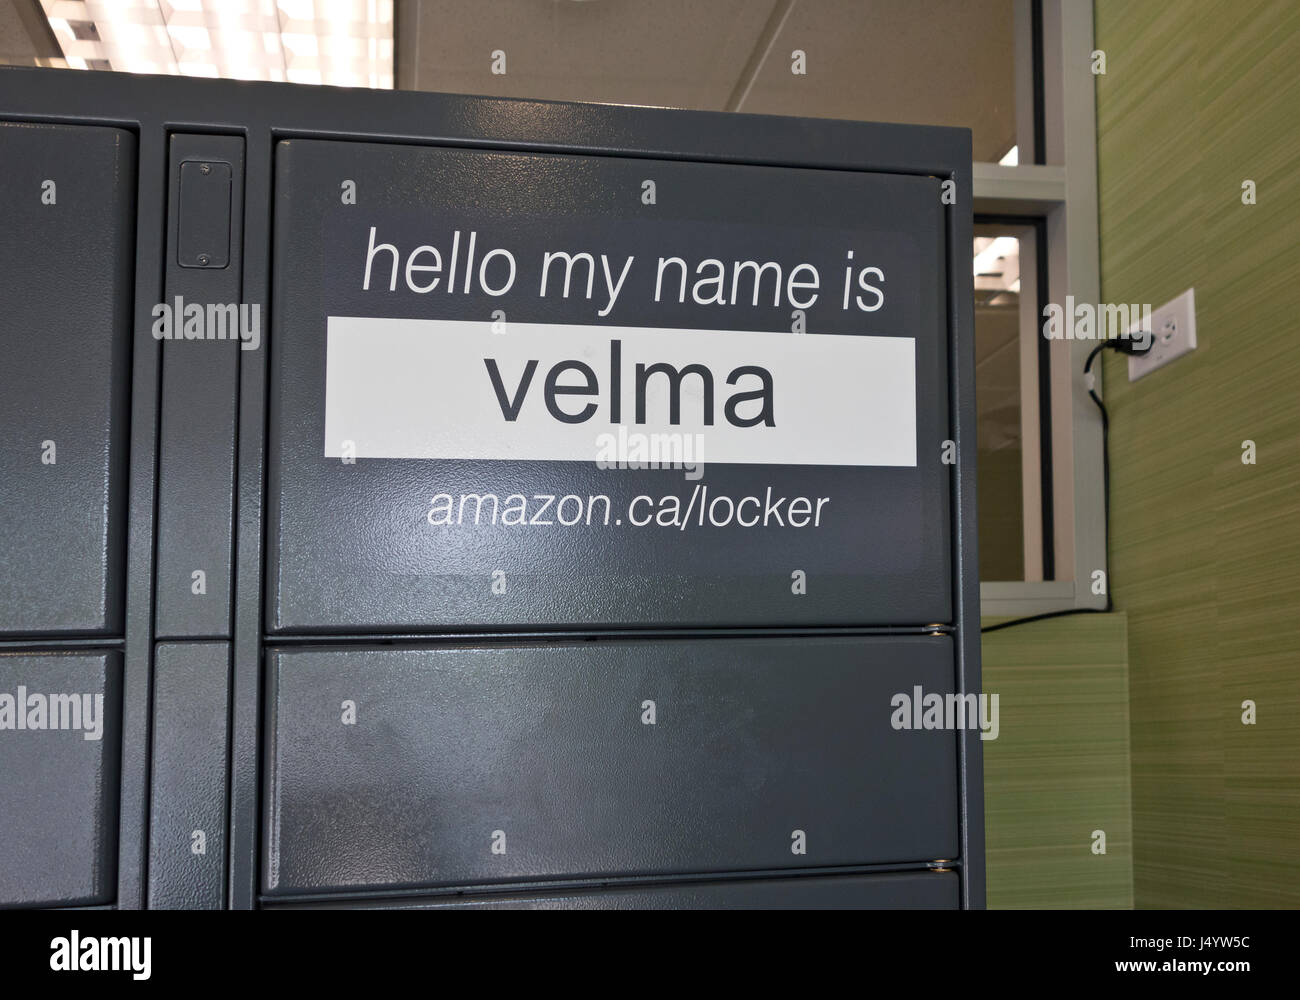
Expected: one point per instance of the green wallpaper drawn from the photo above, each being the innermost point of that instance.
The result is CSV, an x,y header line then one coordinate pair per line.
x,y
1059,768
1205,553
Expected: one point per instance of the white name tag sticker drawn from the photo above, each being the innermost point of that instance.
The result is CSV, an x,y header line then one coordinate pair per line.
x,y
455,389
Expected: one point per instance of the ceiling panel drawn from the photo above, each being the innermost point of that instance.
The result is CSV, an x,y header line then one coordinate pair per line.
x,y
938,62
931,62
672,53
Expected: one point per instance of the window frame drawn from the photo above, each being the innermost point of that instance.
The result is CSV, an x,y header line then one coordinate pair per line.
x,y
1063,193
1037,507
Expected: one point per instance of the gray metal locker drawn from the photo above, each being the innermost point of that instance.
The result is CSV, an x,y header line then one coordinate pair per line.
x,y
369,603
66,259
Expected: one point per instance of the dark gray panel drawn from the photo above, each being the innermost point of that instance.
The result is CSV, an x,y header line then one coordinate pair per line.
x,y
189,782
349,545
890,891
200,390
752,740
65,281
578,132
58,786
205,205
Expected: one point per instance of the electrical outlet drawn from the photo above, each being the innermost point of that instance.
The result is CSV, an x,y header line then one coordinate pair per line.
x,y
1173,334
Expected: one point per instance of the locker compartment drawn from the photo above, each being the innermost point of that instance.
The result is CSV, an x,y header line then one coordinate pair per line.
x,y
933,890
394,767
449,393
59,746
189,780
200,386
66,266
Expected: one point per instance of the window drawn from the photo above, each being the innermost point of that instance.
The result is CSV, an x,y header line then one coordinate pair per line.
x,y
1049,203
1012,501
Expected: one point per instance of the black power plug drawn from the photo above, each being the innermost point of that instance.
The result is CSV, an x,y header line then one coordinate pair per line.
x,y
1128,343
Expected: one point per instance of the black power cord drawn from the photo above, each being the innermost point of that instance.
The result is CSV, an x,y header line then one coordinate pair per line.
x,y
1124,345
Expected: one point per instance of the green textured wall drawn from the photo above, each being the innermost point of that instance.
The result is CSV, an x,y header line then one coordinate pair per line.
x,y
1205,554
1059,768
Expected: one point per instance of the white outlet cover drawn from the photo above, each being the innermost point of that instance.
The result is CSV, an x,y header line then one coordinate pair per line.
x,y
1173,333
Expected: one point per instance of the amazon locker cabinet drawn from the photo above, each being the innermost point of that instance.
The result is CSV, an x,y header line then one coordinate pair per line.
x,y
418,501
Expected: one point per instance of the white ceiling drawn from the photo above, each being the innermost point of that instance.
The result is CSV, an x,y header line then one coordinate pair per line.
x,y
947,62
944,62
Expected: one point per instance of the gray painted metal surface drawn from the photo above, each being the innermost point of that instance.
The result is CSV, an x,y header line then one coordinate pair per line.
x,y
937,890
401,768
187,805
350,545
200,389
156,482
65,261
58,813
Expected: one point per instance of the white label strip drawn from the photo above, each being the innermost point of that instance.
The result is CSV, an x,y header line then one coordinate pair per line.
x,y
406,388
